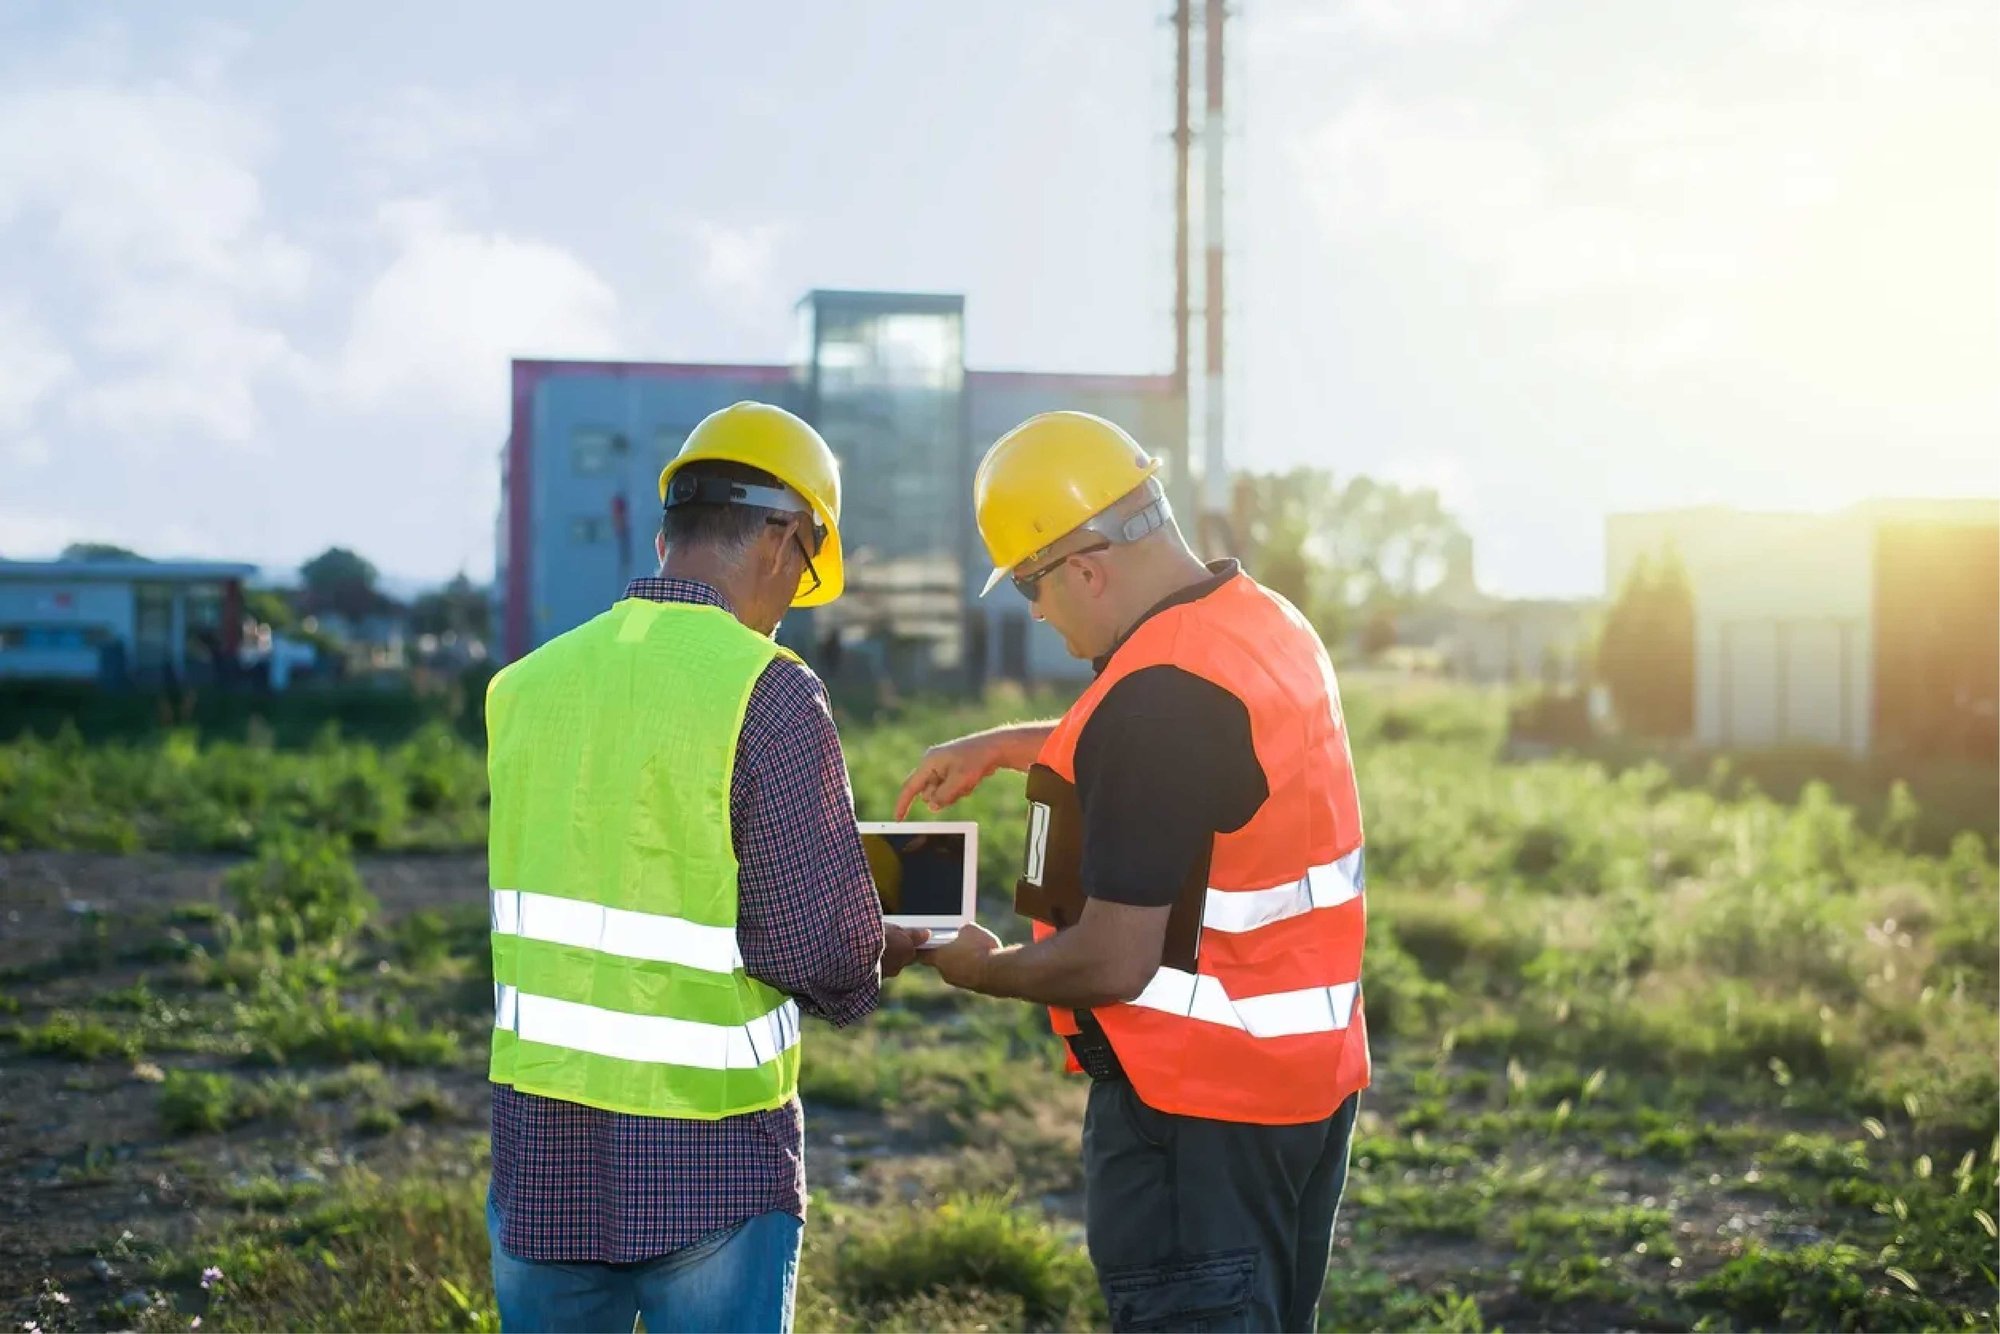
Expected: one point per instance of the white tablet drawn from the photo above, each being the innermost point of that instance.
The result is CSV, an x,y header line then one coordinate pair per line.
x,y
926,872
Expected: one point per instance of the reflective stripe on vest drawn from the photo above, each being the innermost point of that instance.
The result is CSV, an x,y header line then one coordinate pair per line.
x,y
650,1038
618,982
1239,910
1281,1014
619,931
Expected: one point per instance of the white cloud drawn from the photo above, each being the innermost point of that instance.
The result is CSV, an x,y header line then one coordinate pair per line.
x,y
436,327
27,534
32,367
1671,230
142,204
737,263
1621,207
27,452
1885,42
424,132
143,182
1381,165
181,356
1386,21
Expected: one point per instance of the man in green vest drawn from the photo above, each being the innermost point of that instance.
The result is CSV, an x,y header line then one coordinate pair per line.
x,y
676,879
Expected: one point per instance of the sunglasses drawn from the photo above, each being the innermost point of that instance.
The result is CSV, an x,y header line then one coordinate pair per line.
x,y
818,529
819,543
1029,585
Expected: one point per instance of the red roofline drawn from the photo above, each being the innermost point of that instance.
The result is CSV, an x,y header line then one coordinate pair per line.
x,y
520,448
537,371
1131,384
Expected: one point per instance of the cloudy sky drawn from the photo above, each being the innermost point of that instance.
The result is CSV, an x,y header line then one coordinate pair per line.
x,y
261,267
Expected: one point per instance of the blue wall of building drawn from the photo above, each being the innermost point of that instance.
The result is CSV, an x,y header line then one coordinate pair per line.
x,y
595,432
596,435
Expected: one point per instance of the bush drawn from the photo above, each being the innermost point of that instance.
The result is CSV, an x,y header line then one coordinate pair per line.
x,y
78,1037
1821,1286
286,1027
966,1247
302,891
1552,719
193,1101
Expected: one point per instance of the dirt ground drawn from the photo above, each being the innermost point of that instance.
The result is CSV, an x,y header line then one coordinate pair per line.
x,y
83,1155
85,1159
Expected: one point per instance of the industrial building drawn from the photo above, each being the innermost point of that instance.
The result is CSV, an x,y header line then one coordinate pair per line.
x,y
1475,636
1870,630
882,376
138,622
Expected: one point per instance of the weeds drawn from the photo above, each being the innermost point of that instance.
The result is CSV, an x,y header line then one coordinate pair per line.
x,y
301,893
287,1028
198,1102
966,1249
76,1037
1579,976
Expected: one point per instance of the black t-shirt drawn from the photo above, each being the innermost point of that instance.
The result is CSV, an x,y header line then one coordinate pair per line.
x,y
1163,765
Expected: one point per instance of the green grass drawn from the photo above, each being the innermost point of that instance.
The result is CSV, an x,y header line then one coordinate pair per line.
x,y
198,1101
193,1101
371,1254
368,1255
178,792
1606,1000
288,1029
983,1252
1825,1285
1373,1299
75,1037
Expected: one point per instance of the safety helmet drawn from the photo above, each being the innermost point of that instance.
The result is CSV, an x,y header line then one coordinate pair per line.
x,y
1048,477
885,868
760,435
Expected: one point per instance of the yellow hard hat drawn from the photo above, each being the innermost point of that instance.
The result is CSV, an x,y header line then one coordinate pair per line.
x,y
762,436
886,869
1048,477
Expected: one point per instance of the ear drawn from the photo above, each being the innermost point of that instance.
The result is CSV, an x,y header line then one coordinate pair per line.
x,y
777,539
660,545
1091,575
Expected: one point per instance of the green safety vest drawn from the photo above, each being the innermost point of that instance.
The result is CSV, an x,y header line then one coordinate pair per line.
x,y
617,982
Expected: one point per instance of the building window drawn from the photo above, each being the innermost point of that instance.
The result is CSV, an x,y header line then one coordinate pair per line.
x,y
586,532
593,451
68,637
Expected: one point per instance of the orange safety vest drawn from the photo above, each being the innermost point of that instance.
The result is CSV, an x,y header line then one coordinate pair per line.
x,y
1263,1023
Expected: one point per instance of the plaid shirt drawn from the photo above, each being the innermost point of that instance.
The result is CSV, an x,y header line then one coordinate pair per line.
x,y
574,1183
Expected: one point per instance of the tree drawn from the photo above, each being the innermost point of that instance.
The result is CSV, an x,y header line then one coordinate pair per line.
x,y
341,582
1645,655
460,607
269,606
1343,552
98,551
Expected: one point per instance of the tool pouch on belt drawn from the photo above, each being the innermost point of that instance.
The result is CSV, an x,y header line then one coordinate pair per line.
x,y
1050,889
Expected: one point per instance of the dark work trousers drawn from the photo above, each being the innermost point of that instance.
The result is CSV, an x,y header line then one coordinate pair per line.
x,y
1209,1225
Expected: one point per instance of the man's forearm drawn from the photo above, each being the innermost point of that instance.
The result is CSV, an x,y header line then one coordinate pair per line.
x,y
1064,970
839,979
1016,745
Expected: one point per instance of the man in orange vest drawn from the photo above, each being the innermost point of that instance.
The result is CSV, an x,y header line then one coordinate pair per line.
x,y
1195,883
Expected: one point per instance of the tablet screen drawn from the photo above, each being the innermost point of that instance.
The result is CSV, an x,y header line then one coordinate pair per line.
x,y
918,874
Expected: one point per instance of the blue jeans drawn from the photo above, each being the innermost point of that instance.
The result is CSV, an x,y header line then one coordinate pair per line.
x,y
742,1279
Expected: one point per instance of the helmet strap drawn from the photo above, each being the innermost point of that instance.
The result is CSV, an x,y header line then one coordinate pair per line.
x,y
686,490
